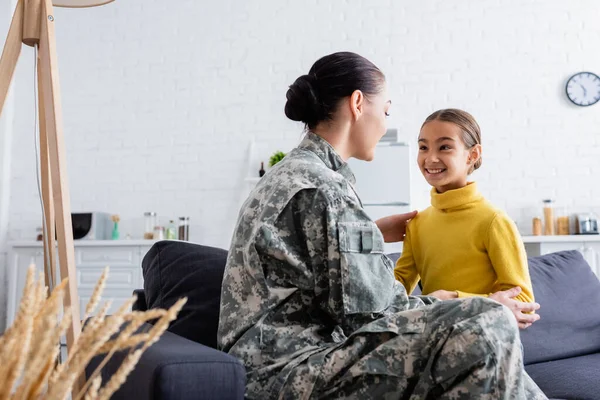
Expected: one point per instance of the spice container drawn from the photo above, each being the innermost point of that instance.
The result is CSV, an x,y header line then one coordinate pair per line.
x,y
159,233
548,217
562,222
537,226
537,217
150,222
184,228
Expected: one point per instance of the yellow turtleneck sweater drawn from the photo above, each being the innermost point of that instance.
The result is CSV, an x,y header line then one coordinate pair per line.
x,y
462,243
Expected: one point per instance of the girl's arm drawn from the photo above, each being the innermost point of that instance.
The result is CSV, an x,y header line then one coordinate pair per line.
x,y
406,269
507,254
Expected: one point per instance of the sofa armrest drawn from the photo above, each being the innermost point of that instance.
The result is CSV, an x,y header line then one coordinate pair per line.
x,y
140,304
177,368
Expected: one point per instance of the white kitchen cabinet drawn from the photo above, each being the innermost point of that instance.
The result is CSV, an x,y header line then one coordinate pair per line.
x,y
587,245
124,258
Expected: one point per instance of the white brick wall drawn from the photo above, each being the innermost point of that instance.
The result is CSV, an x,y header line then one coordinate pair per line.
x,y
160,98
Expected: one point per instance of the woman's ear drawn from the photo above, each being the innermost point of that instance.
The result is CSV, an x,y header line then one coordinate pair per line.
x,y
357,100
474,154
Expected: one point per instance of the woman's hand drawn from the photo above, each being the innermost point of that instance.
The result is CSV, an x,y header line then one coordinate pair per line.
x,y
518,308
444,294
393,227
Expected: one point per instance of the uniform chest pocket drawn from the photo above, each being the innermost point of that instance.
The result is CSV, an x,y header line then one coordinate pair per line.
x,y
366,273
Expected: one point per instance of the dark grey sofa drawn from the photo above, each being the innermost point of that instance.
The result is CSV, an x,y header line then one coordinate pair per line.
x,y
183,364
562,350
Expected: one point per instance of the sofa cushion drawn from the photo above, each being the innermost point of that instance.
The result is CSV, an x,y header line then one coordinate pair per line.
x,y
176,368
569,295
570,378
174,269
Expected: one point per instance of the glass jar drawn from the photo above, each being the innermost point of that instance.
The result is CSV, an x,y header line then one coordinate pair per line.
x,y
563,226
548,217
150,221
184,228
536,227
534,214
159,233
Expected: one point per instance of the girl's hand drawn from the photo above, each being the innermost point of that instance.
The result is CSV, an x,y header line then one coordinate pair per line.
x,y
444,294
393,227
518,308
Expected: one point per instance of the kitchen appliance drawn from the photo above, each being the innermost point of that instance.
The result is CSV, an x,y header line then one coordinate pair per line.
x,y
91,226
586,224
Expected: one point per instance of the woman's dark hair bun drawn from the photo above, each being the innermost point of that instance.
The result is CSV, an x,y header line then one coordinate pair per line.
x,y
303,100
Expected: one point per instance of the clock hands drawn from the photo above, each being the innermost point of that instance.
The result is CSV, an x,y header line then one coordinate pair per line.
x,y
590,89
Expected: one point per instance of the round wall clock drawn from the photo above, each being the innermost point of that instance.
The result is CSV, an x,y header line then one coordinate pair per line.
x,y
583,89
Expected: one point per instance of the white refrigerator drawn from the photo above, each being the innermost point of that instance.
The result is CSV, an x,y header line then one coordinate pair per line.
x,y
383,184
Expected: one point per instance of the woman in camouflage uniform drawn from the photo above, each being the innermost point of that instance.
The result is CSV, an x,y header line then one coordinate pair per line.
x,y
309,300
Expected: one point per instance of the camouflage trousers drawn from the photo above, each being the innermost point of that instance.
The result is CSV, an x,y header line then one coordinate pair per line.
x,y
456,349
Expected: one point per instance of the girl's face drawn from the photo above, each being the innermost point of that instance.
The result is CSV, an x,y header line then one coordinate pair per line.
x,y
443,158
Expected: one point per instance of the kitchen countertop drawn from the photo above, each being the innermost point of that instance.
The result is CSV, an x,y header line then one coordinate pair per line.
x,y
87,243
141,242
561,238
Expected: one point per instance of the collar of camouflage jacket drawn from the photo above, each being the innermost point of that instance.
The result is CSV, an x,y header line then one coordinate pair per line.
x,y
325,151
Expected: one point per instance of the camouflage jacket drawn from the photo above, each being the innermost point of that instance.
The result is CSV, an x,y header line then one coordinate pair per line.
x,y
305,269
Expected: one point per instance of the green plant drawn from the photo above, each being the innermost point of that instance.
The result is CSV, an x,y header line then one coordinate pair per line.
x,y
276,157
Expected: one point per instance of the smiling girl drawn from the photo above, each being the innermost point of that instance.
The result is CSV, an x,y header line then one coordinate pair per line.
x,y
462,245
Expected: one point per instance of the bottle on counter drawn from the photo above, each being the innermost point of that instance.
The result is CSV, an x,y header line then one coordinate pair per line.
x,y
171,233
184,228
